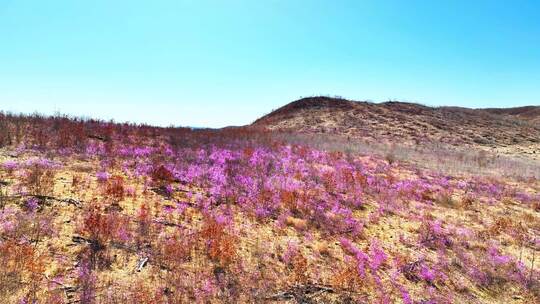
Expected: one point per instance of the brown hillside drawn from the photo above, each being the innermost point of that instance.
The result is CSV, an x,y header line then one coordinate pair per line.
x,y
529,113
515,129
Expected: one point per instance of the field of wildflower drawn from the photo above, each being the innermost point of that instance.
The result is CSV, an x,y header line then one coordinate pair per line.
x,y
100,212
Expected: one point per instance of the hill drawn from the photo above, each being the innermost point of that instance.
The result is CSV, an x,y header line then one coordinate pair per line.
x,y
528,113
512,130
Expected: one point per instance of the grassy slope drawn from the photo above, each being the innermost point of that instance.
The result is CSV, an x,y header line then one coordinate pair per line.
x,y
458,238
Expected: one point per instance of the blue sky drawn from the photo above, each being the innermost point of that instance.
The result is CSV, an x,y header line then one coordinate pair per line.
x,y
218,63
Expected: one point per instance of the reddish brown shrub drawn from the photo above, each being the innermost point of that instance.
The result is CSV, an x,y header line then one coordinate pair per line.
x,y
38,179
347,278
20,264
162,175
175,251
99,227
288,199
144,224
220,245
115,188
300,267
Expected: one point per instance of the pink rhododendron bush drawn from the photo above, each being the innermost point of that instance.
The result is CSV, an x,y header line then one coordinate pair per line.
x,y
95,212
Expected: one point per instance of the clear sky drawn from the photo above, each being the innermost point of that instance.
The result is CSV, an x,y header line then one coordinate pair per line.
x,y
218,63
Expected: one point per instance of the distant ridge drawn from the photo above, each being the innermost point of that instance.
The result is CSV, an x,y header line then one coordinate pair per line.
x,y
409,122
529,113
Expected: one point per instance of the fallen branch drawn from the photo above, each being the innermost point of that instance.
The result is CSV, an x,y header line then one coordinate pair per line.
x,y
69,201
168,224
97,137
299,292
141,264
80,240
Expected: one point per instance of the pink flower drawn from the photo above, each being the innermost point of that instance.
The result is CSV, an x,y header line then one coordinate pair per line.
x,y
168,209
290,252
359,255
102,176
123,234
32,204
496,258
426,273
10,165
378,257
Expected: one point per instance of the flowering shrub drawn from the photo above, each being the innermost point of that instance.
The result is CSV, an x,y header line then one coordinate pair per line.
x,y
102,176
10,165
243,216
432,235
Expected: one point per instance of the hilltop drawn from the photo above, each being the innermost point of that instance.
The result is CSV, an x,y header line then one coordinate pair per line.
x,y
511,130
528,113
